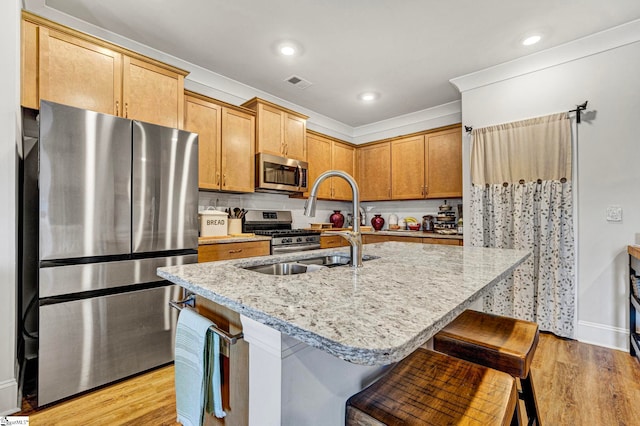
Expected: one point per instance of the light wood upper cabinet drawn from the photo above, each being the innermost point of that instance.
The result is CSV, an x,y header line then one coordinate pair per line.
x,y
427,166
444,164
152,93
238,153
343,157
66,66
225,144
319,150
374,172
29,65
205,118
407,157
79,73
280,131
329,154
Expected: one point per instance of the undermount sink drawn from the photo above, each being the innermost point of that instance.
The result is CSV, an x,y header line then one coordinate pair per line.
x,y
302,266
279,269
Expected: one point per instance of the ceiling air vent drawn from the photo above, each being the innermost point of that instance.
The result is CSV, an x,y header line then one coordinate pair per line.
x,y
299,82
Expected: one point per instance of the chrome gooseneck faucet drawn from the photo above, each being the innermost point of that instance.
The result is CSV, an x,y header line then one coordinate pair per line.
x,y
354,237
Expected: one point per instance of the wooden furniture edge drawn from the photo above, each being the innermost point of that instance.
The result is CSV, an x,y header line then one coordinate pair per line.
x,y
634,251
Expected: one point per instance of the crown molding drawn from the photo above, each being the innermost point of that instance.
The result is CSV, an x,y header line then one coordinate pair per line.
x,y
590,45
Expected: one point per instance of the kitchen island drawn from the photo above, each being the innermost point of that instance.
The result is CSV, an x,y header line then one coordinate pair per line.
x,y
316,338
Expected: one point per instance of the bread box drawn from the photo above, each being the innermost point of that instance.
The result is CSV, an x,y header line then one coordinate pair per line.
x,y
213,223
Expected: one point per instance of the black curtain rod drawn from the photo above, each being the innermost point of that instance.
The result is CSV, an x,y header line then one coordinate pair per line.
x,y
579,108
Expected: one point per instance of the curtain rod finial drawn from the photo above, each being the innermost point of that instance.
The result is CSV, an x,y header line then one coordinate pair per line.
x,y
468,129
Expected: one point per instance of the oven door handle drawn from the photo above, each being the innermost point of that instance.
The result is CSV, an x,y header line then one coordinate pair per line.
x,y
294,248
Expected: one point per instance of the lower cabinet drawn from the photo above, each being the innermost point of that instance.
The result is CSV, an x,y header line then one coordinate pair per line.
x,y
225,251
445,241
331,241
234,369
373,238
370,239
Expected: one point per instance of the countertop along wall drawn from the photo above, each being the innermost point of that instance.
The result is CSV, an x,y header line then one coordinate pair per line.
x,y
603,69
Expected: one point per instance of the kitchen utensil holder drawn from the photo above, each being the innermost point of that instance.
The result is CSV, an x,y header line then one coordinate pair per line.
x,y
226,339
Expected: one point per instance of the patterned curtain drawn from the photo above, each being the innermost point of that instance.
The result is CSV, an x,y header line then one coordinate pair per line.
x,y
530,214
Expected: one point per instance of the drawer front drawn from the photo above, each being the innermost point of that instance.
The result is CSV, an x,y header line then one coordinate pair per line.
x,y
445,241
211,252
331,241
370,239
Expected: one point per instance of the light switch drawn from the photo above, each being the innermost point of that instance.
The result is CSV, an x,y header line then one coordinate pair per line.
x,y
614,214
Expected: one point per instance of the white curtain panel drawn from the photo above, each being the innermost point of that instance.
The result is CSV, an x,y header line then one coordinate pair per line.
x,y
530,215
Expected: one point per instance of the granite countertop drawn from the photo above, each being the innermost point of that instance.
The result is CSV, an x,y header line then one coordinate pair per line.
x,y
374,315
231,239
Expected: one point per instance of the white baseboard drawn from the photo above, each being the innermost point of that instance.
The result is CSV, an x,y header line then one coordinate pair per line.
x,y
9,397
603,335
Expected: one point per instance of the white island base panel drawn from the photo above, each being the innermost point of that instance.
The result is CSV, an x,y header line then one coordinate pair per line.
x,y
292,383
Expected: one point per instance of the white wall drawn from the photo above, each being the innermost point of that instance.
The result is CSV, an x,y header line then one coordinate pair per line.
x,y
9,101
608,159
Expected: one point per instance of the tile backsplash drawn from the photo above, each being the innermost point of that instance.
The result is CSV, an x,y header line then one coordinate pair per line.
x,y
268,201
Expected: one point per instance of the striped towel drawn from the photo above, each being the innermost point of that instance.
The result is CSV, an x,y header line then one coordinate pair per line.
x,y
197,369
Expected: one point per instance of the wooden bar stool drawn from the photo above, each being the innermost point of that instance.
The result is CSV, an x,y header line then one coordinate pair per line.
x,y
429,388
498,342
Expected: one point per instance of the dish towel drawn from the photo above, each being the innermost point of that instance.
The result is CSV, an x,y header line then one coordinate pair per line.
x,y
197,369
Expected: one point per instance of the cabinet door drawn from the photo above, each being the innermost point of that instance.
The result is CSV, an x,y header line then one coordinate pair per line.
x,y
238,154
443,241
295,137
78,73
212,252
29,66
270,130
374,172
444,164
319,152
407,168
343,157
204,118
152,93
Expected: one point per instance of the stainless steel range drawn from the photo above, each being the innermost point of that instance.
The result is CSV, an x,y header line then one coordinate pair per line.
x,y
277,224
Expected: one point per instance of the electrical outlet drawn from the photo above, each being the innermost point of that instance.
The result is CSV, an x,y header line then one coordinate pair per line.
x,y
614,214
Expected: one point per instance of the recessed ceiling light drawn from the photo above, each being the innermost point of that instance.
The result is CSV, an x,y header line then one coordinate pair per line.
x,y
368,96
531,40
287,50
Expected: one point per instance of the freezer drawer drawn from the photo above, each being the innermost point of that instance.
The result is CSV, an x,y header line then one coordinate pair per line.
x,y
90,342
68,279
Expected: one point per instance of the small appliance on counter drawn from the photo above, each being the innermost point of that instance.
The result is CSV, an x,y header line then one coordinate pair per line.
x,y
445,222
213,223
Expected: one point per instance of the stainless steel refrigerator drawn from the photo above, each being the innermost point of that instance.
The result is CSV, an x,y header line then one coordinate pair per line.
x,y
105,201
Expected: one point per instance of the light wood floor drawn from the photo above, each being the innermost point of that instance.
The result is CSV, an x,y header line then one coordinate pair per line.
x,y
576,384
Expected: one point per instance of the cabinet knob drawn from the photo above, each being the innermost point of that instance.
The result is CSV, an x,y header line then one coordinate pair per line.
x,y
117,107
217,178
126,110
235,251
224,179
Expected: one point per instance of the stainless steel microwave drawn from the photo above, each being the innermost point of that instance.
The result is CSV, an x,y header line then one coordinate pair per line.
x,y
279,174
